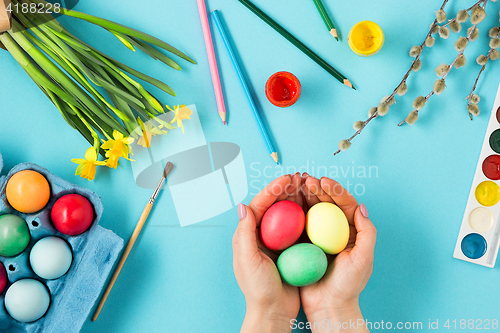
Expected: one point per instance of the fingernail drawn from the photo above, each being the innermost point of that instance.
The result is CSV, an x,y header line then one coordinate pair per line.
x,y
363,210
242,211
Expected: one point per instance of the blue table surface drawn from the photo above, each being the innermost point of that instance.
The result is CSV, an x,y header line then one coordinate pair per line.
x,y
181,279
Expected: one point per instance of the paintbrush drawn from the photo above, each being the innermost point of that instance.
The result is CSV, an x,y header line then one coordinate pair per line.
x,y
137,231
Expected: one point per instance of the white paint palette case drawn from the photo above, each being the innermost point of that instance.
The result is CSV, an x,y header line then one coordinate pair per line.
x,y
478,239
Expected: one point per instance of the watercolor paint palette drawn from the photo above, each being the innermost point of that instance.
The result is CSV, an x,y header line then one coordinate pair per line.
x,y
95,251
478,239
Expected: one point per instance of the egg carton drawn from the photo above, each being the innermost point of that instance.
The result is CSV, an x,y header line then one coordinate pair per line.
x,y
94,253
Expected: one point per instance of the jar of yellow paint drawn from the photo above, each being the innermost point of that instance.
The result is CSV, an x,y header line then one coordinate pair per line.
x,y
366,38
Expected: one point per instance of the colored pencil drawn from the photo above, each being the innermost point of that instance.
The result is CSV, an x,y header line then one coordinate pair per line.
x,y
212,60
297,43
133,238
270,147
326,18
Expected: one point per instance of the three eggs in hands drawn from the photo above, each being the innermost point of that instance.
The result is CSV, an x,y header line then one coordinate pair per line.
x,y
304,264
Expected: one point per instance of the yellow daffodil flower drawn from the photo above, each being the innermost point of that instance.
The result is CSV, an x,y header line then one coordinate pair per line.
x,y
117,148
145,140
87,166
181,113
147,132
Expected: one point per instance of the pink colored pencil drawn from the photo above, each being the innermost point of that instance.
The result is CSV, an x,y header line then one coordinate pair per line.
x,y
211,60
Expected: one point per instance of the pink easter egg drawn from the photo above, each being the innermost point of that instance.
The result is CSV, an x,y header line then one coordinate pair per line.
x,y
282,225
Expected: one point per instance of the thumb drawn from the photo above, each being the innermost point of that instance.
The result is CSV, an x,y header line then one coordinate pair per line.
x,y
247,239
366,236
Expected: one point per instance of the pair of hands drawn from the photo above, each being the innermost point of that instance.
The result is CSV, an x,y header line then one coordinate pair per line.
x,y
272,304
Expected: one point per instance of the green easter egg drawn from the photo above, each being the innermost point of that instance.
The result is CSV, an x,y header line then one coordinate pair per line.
x,y
14,235
302,264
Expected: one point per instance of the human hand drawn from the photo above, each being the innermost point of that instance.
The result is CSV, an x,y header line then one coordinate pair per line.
x,y
336,295
271,304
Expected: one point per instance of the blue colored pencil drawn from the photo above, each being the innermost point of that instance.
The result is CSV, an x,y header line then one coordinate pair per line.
x,y
272,151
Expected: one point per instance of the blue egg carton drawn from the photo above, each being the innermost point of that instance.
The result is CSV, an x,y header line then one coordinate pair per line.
x,y
94,253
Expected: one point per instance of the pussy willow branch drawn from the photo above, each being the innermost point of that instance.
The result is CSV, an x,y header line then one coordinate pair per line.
x,y
450,67
474,88
375,114
467,10
477,79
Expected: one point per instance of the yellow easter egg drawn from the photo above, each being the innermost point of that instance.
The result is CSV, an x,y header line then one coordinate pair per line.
x,y
327,227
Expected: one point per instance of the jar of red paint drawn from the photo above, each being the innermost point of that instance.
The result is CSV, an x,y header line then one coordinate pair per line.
x,y
283,89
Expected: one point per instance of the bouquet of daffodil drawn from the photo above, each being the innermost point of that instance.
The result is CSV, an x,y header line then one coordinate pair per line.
x,y
68,71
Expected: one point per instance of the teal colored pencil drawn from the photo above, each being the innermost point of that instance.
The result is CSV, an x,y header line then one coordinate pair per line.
x,y
326,18
270,147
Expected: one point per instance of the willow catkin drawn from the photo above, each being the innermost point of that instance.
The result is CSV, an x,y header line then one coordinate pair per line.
x,y
434,28
441,16
494,54
460,61
415,50
495,43
473,109
344,145
417,65
474,99
478,15
482,60
442,69
462,16
429,41
474,34
412,117
419,102
382,109
402,89
493,32
455,26
439,86
444,32
388,100
358,125
461,44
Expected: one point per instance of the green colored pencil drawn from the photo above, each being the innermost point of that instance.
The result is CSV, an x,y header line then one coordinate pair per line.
x,y
326,18
307,51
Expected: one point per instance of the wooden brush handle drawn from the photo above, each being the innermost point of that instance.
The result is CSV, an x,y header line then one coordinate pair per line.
x,y
5,16
125,254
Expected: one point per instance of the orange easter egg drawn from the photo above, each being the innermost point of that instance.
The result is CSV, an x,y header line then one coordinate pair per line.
x,y
28,191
